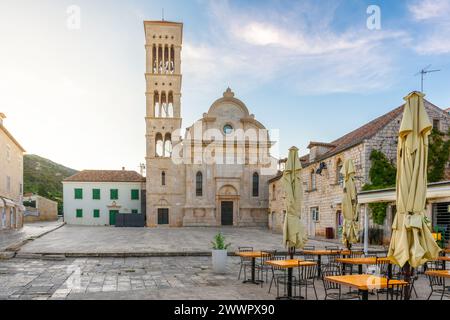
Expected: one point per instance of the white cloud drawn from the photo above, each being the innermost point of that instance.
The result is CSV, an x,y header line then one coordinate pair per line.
x,y
429,9
435,25
252,48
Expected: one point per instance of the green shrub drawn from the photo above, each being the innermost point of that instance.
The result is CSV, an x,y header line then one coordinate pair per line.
x,y
219,242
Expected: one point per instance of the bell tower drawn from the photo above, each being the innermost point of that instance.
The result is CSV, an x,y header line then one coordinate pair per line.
x,y
165,196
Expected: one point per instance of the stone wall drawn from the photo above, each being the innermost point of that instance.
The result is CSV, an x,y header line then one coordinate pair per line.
x,y
46,208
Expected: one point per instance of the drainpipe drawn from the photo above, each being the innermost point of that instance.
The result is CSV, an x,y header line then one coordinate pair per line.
x,y
366,229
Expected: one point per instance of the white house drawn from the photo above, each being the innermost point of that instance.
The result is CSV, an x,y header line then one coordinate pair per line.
x,y
96,197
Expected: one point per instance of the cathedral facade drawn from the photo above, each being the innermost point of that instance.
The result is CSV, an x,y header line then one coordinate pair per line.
x,y
217,174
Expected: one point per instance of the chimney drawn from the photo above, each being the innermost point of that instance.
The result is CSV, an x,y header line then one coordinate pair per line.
x,y
2,116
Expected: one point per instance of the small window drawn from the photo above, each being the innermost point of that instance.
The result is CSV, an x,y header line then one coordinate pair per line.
x,y
163,178
436,124
96,213
134,211
227,129
199,184
315,214
78,193
96,194
79,213
313,180
274,195
339,175
114,194
135,194
255,183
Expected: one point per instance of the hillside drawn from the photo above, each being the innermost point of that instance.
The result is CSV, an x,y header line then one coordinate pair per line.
x,y
43,177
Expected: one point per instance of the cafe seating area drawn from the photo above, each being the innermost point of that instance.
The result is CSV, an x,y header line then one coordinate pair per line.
x,y
334,273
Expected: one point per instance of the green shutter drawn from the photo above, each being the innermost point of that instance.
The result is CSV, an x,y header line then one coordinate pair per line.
x,y
96,194
134,211
79,213
96,213
135,194
114,194
78,193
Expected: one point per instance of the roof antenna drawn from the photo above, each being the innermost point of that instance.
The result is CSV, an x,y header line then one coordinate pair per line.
x,y
162,14
422,73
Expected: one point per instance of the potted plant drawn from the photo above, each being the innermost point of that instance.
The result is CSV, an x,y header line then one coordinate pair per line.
x,y
219,253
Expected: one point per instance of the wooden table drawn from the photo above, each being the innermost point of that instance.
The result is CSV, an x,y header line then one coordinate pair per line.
x,y
364,282
364,261
438,273
253,255
290,265
320,253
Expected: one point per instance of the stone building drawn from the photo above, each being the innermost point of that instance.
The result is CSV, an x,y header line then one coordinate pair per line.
x,y
321,169
187,184
11,179
38,208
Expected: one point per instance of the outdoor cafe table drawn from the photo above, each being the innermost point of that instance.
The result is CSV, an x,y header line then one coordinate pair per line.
x,y
290,265
364,261
364,282
438,273
320,253
253,255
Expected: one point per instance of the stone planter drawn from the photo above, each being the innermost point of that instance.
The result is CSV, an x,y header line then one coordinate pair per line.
x,y
219,261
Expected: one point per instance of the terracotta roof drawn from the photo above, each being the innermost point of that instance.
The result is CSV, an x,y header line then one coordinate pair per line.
x,y
106,176
320,144
357,136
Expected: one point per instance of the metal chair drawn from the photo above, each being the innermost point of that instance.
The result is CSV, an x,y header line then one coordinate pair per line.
x,y
262,267
394,291
306,278
438,286
277,271
331,259
245,262
333,290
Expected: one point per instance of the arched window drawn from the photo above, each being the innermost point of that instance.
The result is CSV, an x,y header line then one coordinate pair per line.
x,y
163,105
274,195
157,105
170,106
159,145
199,184
255,185
168,145
163,178
154,59
160,60
313,180
339,175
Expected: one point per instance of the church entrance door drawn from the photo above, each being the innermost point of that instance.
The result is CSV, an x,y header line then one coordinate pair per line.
x,y
227,213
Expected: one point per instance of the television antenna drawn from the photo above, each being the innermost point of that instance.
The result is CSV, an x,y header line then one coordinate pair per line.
x,y
423,72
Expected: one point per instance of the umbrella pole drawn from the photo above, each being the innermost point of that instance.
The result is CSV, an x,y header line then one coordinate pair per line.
x,y
407,277
291,252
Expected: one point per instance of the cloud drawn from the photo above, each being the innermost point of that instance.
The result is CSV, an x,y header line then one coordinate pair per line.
x,y
435,25
298,47
429,9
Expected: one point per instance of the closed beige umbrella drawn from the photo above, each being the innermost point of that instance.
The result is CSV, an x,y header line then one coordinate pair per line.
x,y
350,231
412,241
294,235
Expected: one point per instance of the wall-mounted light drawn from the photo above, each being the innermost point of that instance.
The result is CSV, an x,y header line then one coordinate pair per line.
x,y
322,166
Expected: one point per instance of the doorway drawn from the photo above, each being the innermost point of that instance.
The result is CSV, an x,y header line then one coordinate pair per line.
x,y
226,208
163,216
112,217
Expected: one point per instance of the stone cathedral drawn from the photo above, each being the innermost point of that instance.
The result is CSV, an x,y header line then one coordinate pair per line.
x,y
208,187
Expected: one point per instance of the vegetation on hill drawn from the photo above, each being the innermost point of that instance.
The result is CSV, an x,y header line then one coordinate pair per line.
x,y
43,177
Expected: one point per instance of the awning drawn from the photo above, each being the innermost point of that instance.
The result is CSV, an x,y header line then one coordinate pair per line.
x,y
9,203
2,203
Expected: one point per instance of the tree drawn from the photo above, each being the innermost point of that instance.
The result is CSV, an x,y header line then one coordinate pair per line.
x,y
382,174
438,155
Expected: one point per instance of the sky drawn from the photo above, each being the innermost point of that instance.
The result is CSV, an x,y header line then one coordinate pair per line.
x,y
73,89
